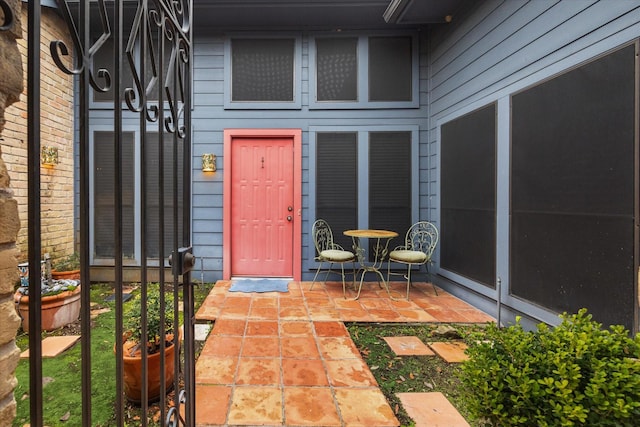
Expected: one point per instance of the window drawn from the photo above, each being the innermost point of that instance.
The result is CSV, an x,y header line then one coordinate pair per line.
x,y
390,69
262,73
152,193
364,72
468,196
104,197
103,59
365,179
573,198
337,69
103,200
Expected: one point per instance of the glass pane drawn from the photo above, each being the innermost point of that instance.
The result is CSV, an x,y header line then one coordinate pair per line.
x,y
336,183
262,70
337,69
390,69
103,195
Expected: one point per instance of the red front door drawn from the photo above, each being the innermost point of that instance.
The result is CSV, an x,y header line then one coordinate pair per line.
x,y
262,206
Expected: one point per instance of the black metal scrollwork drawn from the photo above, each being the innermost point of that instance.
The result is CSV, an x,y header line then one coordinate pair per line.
x,y
168,20
157,24
8,16
58,48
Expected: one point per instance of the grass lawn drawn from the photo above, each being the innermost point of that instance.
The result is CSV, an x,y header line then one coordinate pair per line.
x,y
402,374
62,388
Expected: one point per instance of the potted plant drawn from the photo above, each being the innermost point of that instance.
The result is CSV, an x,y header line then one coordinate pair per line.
x,y
67,267
60,303
155,344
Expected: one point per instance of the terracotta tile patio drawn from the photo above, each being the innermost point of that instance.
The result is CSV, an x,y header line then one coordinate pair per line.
x,y
286,359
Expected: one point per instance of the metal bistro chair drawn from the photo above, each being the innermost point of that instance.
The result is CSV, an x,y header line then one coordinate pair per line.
x,y
330,252
420,242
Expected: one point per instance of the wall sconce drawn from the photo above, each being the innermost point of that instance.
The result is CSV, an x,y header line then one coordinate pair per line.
x,y
209,163
49,156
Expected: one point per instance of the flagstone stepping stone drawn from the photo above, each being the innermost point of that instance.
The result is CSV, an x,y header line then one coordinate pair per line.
x,y
431,409
408,346
202,331
450,351
53,346
97,312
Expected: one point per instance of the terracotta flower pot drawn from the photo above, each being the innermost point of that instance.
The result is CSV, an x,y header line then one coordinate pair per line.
x,y
57,310
132,366
60,275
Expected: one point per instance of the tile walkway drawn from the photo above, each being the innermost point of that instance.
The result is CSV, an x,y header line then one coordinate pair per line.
x,y
286,359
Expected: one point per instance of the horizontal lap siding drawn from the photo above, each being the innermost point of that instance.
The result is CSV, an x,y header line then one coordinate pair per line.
x,y
503,46
210,119
500,47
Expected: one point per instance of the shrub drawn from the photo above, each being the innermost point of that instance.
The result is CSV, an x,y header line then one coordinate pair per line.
x,y
132,323
576,374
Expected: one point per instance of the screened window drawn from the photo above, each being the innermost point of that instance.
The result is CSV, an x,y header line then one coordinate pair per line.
x,y
154,187
337,69
104,195
390,181
262,70
364,72
336,182
573,147
390,69
468,187
364,180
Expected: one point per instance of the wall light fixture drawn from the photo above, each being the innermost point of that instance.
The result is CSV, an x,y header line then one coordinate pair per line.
x,y
49,156
209,162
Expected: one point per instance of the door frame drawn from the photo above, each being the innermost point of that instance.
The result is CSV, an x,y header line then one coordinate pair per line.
x,y
296,136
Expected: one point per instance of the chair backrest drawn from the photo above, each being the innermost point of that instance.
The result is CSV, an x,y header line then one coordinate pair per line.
x,y
423,237
322,235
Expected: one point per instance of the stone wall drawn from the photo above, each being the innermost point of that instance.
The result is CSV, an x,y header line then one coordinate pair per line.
x,y
11,85
56,119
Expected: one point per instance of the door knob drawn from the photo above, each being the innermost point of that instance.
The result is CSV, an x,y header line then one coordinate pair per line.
x,y
289,218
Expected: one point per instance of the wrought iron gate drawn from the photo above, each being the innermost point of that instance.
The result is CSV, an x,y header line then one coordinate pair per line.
x,y
154,53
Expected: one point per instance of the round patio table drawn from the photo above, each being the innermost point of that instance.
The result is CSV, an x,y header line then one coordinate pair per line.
x,y
380,251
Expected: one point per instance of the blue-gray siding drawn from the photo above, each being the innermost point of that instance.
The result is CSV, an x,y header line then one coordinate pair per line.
x,y
210,119
499,48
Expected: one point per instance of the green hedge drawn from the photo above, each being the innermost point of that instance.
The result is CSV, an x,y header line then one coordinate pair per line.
x,y
576,374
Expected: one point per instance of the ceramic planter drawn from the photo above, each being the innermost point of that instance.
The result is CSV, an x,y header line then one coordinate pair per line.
x,y
132,366
60,275
57,310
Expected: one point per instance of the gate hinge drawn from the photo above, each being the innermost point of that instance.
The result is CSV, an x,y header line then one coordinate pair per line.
x,y
186,260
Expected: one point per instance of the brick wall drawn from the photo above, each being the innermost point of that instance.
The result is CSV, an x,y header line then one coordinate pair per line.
x,y
56,120
10,88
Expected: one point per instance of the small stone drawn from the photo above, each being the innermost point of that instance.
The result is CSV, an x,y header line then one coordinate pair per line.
x,y
446,331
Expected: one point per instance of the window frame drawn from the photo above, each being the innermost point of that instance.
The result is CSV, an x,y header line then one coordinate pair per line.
x,y
362,144
363,74
296,104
